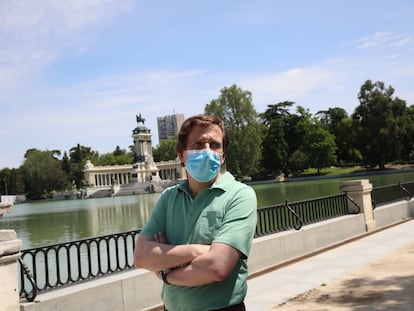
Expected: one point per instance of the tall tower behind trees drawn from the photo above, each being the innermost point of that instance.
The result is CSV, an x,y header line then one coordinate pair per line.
x,y
168,126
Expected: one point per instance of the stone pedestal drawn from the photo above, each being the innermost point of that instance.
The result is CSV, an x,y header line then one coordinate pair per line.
x,y
360,192
10,248
9,253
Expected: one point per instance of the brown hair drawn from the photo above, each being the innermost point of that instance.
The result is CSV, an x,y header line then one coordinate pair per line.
x,y
200,120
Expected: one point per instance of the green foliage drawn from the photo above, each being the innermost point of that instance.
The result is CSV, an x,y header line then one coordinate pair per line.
x,y
298,162
77,158
119,152
275,145
320,148
294,142
331,171
117,157
43,174
277,111
339,124
11,181
380,122
235,107
167,150
111,159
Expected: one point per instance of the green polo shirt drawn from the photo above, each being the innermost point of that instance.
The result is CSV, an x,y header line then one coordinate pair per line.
x,y
226,213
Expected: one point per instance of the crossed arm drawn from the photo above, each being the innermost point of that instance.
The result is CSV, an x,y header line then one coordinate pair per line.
x,y
194,264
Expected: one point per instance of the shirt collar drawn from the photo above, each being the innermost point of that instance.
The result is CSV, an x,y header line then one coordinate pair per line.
x,y
224,183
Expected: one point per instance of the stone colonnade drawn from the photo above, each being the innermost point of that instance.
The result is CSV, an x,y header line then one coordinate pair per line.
x,y
106,176
171,170
108,179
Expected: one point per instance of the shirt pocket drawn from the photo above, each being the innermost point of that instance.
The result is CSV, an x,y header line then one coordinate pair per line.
x,y
208,226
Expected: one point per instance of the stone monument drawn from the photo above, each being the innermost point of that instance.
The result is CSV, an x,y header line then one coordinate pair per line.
x,y
144,168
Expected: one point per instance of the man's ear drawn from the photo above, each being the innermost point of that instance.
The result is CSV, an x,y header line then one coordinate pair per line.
x,y
181,157
222,159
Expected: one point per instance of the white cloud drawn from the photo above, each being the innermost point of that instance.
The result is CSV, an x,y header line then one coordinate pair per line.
x,y
378,38
293,81
299,85
35,33
46,19
388,39
403,42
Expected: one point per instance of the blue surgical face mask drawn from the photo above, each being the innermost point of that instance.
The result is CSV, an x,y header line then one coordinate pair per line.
x,y
203,165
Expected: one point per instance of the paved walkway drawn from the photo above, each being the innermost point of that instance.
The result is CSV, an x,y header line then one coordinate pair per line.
x,y
268,291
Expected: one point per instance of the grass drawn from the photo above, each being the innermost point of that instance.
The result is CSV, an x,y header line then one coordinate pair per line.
x,y
331,171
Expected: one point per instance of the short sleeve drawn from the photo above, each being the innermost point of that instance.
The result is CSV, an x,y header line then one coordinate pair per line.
x,y
156,222
239,222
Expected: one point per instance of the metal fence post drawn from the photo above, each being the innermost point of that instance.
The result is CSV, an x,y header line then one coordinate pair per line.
x,y
360,192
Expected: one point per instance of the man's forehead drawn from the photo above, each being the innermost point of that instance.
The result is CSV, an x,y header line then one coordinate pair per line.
x,y
200,133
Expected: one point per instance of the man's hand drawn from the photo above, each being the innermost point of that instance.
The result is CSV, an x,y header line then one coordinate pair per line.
x,y
214,266
158,275
154,254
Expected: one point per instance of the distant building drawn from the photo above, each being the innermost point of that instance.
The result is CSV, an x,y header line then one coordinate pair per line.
x,y
168,126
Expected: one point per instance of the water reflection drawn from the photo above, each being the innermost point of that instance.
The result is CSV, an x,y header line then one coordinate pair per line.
x,y
277,193
44,223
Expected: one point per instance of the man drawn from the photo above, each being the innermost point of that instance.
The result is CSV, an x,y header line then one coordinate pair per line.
x,y
199,235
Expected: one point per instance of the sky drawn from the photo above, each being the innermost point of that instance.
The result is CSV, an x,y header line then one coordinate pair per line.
x,y
79,71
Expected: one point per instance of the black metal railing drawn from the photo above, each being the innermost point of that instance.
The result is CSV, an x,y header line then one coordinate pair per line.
x,y
294,215
63,264
25,271
388,194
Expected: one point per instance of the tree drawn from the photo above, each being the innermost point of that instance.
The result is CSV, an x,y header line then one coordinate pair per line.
x,y
339,124
235,107
275,148
318,143
6,181
320,148
379,120
294,142
77,158
117,157
276,112
43,174
118,151
297,127
407,152
166,150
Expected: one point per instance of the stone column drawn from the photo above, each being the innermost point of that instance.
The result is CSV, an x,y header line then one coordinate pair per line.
x,y
10,248
360,192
